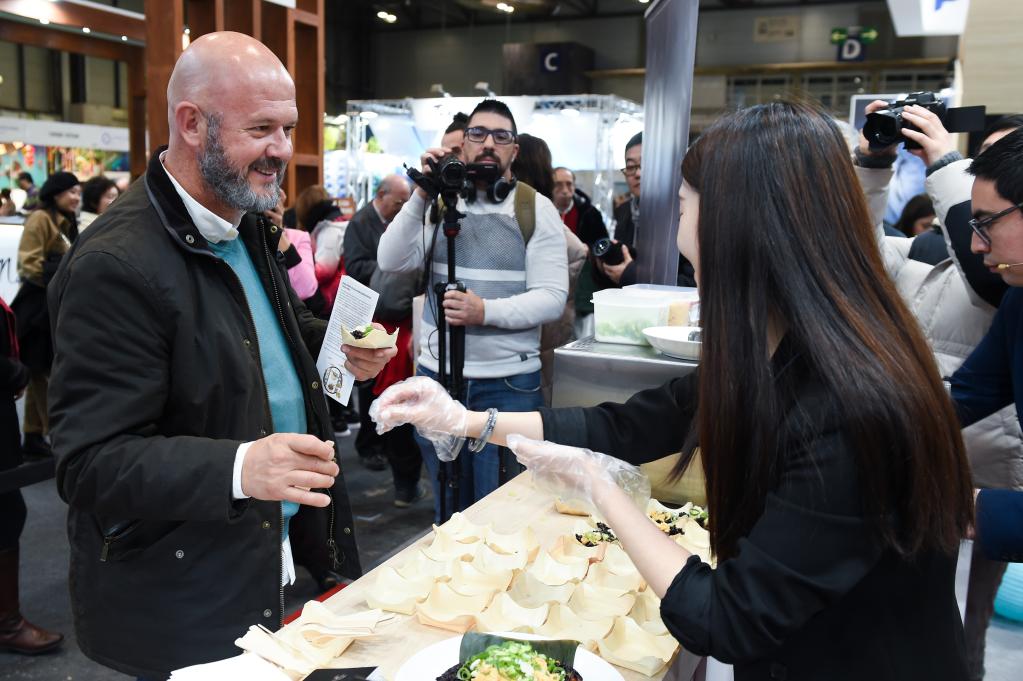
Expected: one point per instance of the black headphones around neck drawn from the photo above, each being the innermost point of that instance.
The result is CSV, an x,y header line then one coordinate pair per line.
x,y
497,192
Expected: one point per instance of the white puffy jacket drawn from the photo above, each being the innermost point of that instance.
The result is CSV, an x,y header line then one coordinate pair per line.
x,y
952,318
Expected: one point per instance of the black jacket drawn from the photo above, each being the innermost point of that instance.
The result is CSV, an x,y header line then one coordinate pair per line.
x,y
156,382
590,227
811,594
13,377
625,232
362,238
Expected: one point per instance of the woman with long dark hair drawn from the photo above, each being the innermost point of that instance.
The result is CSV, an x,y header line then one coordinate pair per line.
x,y
837,484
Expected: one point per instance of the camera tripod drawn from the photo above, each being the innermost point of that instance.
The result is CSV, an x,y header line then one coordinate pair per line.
x,y
450,339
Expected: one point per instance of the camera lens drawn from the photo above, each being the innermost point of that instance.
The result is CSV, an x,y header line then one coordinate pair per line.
x,y
608,251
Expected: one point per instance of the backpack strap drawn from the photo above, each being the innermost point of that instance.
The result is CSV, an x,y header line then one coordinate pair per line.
x,y
525,210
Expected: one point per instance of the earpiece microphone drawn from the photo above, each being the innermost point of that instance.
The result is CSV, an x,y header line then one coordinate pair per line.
x,y
1006,266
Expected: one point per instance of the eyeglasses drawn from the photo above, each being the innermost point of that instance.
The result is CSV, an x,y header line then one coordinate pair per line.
x,y
980,225
479,135
631,170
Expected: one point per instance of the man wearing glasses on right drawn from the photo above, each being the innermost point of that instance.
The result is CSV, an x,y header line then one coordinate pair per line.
x,y
992,376
628,225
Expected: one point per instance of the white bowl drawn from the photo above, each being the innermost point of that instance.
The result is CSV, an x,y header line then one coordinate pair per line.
x,y
674,341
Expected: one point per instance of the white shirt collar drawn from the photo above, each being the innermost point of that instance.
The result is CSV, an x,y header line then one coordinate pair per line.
x,y
571,205
374,204
213,227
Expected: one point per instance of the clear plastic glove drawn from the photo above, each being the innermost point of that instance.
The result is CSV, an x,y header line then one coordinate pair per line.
x,y
579,474
424,403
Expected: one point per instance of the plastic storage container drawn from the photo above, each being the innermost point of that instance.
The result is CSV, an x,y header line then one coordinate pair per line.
x,y
620,315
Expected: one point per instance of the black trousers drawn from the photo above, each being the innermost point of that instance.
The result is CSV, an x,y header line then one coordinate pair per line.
x,y
12,518
398,445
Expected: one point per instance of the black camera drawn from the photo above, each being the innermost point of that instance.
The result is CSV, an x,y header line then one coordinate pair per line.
x,y
608,251
451,173
451,177
884,128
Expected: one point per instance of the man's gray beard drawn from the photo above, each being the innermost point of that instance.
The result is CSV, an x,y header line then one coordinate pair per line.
x,y
224,180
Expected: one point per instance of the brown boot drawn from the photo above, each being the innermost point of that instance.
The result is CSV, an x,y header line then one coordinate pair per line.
x,y
17,635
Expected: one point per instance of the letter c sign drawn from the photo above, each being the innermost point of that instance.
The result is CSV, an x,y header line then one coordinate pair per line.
x,y
551,62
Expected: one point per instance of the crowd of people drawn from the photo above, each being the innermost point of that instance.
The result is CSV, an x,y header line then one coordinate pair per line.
x,y
856,387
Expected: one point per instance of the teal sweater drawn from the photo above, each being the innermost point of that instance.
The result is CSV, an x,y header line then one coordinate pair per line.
x,y
287,405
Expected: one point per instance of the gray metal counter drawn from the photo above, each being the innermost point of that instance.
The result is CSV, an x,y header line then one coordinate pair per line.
x,y
587,372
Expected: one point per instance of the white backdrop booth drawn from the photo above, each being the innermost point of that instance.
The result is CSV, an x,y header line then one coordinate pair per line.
x,y
586,133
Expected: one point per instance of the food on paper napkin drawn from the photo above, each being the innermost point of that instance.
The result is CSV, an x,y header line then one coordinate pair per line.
x,y
485,657
593,602
504,614
562,622
368,336
630,646
447,609
553,572
594,536
395,593
530,592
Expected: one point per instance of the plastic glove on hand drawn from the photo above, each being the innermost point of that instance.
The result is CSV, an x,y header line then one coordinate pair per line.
x,y
579,474
423,403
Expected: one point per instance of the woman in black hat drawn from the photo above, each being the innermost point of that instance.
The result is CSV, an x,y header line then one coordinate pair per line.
x,y
47,236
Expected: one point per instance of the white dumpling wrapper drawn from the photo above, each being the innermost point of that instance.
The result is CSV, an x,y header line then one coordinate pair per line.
x,y
600,576
504,614
489,560
563,623
523,541
461,529
446,609
468,580
422,565
444,547
594,602
395,593
554,572
617,561
630,646
530,592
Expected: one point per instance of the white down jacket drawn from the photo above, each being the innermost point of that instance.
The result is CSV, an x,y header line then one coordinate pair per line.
x,y
952,318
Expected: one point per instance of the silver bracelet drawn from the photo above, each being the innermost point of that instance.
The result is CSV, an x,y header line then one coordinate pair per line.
x,y
476,444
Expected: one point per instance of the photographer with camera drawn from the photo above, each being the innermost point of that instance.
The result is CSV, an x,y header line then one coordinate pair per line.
x,y
955,303
512,261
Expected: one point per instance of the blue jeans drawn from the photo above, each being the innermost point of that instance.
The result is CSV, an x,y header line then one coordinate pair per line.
x,y
479,474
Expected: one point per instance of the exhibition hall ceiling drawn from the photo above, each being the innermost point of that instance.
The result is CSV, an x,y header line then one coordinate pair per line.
x,y
413,14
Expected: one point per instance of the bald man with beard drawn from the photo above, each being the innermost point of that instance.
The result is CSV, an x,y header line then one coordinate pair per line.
x,y
188,419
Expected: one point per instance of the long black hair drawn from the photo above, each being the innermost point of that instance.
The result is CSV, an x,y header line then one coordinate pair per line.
x,y
786,238
533,164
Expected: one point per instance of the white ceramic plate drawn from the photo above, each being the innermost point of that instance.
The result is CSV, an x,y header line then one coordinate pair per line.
x,y
431,662
674,341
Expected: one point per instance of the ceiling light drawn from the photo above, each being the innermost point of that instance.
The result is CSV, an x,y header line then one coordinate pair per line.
x,y
569,111
86,29
504,7
386,16
124,38
368,115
